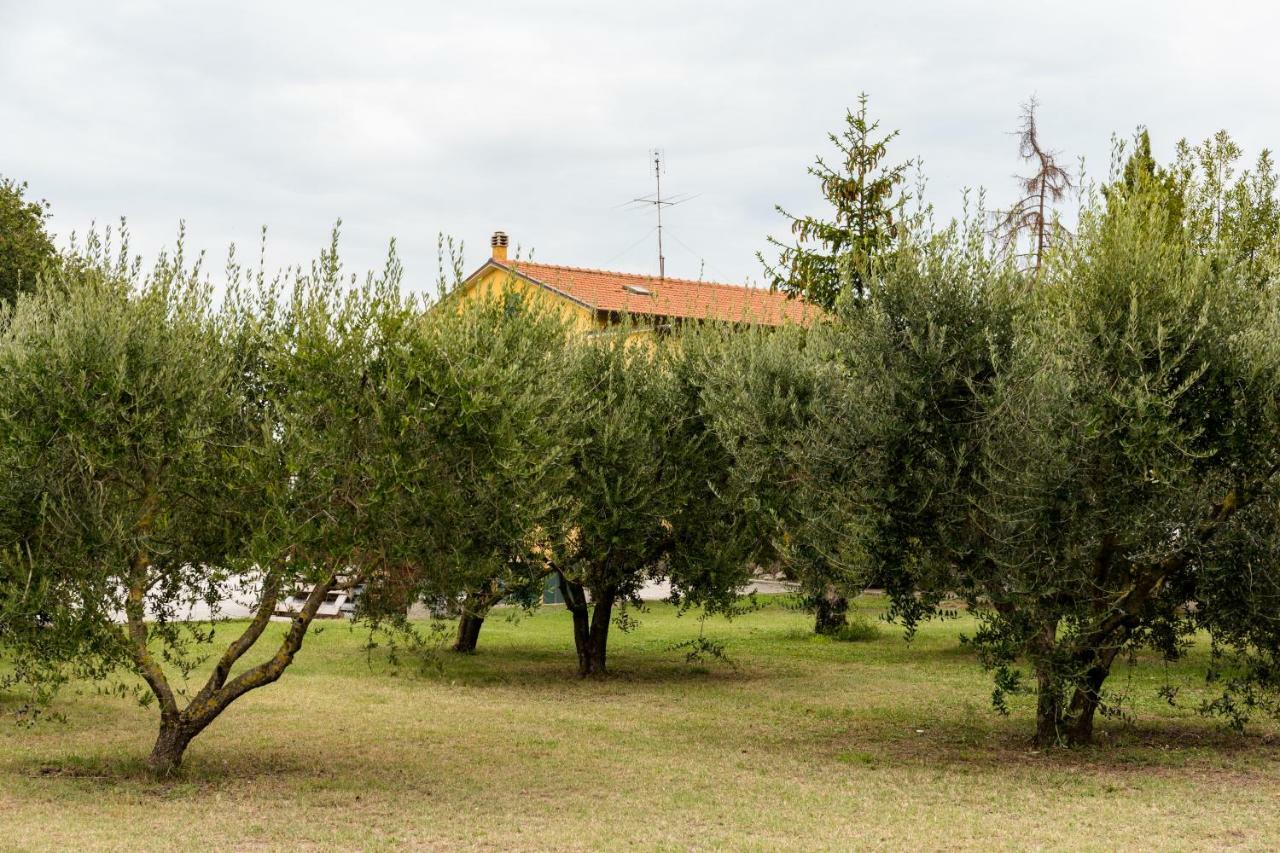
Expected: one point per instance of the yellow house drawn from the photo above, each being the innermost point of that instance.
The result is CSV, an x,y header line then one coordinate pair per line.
x,y
598,299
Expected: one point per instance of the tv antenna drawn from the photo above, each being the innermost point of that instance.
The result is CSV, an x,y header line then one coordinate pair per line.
x,y
658,202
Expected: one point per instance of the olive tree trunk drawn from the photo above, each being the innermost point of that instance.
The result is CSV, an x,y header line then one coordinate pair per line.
x,y
830,611
170,746
179,726
590,626
469,625
1088,696
475,607
1059,723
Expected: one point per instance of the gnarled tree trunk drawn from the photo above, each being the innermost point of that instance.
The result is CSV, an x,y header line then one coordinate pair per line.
x,y
1088,697
1059,723
178,727
830,611
170,746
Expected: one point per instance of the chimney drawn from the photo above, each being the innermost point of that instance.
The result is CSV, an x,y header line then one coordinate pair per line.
x,y
499,243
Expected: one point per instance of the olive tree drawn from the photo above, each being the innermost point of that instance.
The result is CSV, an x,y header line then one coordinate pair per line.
x,y
642,502
766,391
125,437
159,454
1130,464
481,384
1091,465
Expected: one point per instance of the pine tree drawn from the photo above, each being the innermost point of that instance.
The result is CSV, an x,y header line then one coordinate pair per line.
x,y
834,256
1142,175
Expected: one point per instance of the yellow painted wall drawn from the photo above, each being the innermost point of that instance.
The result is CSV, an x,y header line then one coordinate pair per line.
x,y
493,282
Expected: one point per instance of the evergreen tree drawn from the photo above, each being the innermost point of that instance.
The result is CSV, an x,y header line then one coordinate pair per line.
x,y
25,246
835,256
1143,175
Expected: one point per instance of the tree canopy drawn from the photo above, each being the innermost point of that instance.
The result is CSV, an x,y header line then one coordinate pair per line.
x,y
490,372
26,249
126,437
1091,466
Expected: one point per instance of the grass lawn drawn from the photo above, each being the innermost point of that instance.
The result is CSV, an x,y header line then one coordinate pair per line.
x,y
803,743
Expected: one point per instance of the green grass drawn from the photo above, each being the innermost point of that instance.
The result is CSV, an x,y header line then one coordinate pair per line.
x,y
804,742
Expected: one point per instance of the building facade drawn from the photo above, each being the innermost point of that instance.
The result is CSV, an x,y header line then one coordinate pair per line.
x,y
596,301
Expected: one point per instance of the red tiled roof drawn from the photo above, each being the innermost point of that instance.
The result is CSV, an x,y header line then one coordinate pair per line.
x,y
669,297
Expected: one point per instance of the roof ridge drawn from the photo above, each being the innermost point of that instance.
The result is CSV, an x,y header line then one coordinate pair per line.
x,y
642,276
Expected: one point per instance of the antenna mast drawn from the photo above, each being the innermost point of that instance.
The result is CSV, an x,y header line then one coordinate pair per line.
x,y
659,202
657,176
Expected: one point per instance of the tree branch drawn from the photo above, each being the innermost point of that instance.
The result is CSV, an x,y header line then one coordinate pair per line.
x,y
242,644
135,617
1123,614
269,671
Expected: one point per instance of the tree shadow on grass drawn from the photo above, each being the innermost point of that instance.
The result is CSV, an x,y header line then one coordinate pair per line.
x,y
531,667
1163,747
203,769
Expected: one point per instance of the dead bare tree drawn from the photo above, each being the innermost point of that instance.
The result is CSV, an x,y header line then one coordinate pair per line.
x,y
1033,216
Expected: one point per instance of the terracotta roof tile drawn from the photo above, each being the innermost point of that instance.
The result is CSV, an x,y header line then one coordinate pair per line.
x,y
670,297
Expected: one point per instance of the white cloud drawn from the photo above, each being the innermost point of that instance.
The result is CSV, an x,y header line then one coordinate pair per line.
x,y
410,119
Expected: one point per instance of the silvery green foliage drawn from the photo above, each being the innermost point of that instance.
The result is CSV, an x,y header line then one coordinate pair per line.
x,y
159,453
1091,463
479,388
769,396
623,473
322,345
123,438
643,500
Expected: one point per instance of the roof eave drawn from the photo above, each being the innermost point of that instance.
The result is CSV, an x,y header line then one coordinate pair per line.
x,y
491,263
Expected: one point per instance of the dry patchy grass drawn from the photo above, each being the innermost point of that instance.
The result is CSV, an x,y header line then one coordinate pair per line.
x,y
803,743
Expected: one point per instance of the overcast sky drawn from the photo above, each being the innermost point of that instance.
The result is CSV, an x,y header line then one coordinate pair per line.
x,y
410,119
